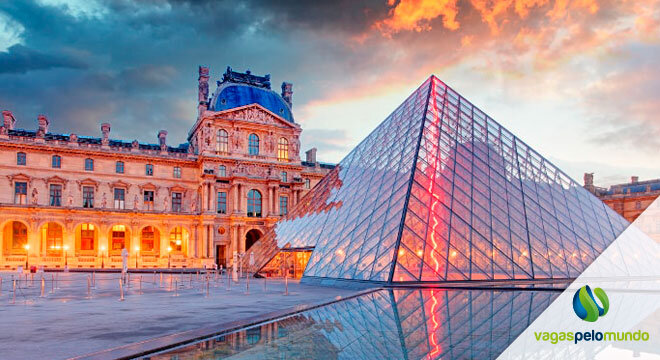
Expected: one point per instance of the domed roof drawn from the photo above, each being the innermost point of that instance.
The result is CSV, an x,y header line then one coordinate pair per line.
x,y
240,89
232,95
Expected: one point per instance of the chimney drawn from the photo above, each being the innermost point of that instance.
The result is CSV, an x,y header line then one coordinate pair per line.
x,y
203,89
588,179
310,155
287,93
634,179
9,119
43,124
162,139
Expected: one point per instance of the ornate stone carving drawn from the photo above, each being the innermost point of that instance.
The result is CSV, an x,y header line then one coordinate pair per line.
x,y
254,114
104,201
136,203
35,196
270,143
73,138
295,147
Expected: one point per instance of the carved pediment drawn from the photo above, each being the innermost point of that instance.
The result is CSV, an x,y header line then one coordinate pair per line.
x,y
177,188
255,113
19,177
148,186
119,184
88,182
56,180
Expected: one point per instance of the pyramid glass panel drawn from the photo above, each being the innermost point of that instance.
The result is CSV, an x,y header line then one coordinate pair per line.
x,y
440,192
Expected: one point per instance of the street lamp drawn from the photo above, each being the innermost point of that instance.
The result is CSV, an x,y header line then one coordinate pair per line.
x,y
137,254
169,251
102,256
27,255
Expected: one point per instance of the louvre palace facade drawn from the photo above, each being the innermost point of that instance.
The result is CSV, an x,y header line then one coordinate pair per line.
x,y
77,201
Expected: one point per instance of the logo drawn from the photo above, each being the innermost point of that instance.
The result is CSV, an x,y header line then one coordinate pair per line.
x,y
585,305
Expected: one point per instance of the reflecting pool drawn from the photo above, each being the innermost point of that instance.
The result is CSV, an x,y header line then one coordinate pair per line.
x,y
386,324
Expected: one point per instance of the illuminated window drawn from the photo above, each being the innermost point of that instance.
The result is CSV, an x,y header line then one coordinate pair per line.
x,y
118,237
222,171
119,167
20,193
254,203
222,141
55,195
19,235
88,196
253,144
222,202
54,238
148,238
284,205
56,162
21,158
176,238
120,197
283,149
149,170
87,237
89,164
177,199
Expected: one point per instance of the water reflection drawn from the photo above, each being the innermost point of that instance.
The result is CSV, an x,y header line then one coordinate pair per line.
x,y
386,324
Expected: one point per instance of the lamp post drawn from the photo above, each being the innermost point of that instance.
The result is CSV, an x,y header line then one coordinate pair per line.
x,y
27,255
169,252
137,254
102,256
66,253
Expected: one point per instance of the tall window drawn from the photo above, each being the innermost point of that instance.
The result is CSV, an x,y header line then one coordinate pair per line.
x,y
253,144
148,199
283,149
148,239
222,202
19,235
87,237
89,164
254,203
118,237
283,176
176,238
177,172
120,197
56,162
149,170
20,193
119,167
222,171
222,141
88,196
307,184
21,158
53,237
55,195
177,198
284,205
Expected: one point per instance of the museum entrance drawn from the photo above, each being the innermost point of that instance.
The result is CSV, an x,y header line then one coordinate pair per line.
x,y
251,238
221,256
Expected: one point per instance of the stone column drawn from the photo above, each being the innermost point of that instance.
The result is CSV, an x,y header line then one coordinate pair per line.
x,y
234,197
204,242
212,196
240,198
241,238
33,242
204,200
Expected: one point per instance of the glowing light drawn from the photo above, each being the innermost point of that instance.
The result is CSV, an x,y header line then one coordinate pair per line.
x,y
574,254
524,253
137,248
66,247
339,252
419,253
102,247
169,248
27,246
178,242
453,253
400,251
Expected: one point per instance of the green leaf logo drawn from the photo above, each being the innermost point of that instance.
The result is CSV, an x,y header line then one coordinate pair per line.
x,y
585,305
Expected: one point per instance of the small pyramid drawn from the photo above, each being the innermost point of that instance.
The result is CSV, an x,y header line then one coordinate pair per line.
x,y
441,192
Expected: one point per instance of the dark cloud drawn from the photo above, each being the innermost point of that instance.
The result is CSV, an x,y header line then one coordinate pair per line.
x,y
21,59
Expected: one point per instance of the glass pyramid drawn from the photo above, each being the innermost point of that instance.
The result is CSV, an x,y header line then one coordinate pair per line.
x,y
438,192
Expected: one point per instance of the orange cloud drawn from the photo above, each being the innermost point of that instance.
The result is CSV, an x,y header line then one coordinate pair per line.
x,y
415,15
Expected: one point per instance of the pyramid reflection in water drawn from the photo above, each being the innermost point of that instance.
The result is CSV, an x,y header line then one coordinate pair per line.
x,y
387,324
438,192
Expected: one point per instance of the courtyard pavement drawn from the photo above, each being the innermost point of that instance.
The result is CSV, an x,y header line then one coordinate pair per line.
x,y
67,323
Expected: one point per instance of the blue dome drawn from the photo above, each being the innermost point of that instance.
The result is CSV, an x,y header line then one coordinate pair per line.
x,y
232,95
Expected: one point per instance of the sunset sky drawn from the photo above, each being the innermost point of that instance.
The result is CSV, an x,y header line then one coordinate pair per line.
x,y
579,81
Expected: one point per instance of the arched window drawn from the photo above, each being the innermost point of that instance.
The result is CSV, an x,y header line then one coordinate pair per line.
x,y
18,236
283,149
254,203
52,233
222,141
253,144
222,171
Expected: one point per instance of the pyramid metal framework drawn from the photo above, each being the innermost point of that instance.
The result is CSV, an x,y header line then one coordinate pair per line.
x,y
439,192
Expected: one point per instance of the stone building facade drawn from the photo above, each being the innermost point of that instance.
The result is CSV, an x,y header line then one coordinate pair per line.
x,y
628,199
77,201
